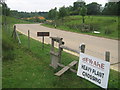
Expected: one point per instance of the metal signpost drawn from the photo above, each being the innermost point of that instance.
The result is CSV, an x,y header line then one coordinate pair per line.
x,y
43,34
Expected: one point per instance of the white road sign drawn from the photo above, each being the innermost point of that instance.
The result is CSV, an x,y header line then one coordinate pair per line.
x,y
94,70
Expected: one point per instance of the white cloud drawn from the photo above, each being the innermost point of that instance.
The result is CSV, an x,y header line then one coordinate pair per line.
x,y
113,0
43,5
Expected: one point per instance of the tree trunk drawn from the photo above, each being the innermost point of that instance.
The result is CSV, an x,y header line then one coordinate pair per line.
x,y
83,19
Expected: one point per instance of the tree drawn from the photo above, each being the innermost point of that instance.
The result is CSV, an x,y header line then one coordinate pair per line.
x,y
76,7
69,10
0,10
52,14
5,9
5,12
111,8
83,13
93,8
63,12
118,8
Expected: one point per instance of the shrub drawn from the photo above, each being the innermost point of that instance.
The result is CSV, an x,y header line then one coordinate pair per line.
x,y
108,31
7,47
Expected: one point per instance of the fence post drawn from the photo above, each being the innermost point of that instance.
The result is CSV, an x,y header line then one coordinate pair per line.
x,y
82,48
52,42
56,56
28,39
107,56
14,32
42,42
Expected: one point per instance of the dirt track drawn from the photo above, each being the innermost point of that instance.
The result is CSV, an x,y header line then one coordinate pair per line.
x,y
95,46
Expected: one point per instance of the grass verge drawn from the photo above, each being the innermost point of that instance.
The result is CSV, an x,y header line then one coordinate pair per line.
x,y
107,25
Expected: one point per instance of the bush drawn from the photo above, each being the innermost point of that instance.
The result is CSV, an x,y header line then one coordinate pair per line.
x,y
108,31
7,47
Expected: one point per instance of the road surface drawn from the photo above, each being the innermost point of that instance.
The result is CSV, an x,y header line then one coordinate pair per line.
x,y
95,46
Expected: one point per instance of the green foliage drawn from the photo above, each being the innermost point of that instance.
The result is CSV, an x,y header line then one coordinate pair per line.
x,y
77,6
93,8
16,14
52,14
63,12
5,9
83,12
112,8
69,10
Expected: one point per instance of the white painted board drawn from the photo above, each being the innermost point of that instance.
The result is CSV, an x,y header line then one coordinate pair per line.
x,y
94,70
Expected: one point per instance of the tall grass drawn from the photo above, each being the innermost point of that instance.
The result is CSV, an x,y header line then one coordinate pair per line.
x,y
8,43
7,47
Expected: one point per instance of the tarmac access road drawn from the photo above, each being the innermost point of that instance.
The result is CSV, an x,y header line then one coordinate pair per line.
x,y
95,46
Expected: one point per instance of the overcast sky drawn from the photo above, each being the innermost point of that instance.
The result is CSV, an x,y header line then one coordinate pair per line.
x,y
43,5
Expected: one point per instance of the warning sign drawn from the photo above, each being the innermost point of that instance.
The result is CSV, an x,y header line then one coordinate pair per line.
x,y
94,70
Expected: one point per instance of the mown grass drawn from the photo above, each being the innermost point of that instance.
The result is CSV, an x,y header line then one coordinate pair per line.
x,y
106,25
30,69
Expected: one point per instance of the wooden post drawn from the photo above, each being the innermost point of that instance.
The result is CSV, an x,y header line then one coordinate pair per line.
x,y
52,42
14,32
60,49
55,56
43,43
107,56
82,48
28,39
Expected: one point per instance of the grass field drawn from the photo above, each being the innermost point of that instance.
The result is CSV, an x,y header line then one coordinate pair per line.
x,y
106,25
30,68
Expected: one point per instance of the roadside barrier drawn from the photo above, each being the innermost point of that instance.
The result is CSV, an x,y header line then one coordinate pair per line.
x,y
56,56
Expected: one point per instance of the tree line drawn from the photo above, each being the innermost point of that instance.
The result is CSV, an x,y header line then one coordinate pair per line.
x,y
81,8
110,8
14,13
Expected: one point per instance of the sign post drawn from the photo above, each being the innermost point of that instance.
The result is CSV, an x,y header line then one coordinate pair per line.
x,y
93,69
42,34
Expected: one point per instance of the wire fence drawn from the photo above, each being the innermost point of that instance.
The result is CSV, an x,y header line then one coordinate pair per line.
x,y
92,52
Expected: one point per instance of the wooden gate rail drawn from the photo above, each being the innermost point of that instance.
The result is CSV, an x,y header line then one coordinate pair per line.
x,y
69,49
61,65
66,68
56,56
